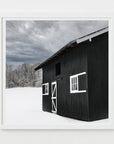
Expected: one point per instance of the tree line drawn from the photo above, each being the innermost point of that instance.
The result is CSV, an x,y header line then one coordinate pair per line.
x,y
23,76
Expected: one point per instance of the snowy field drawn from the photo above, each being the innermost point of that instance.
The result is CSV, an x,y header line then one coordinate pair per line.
x,y
23,106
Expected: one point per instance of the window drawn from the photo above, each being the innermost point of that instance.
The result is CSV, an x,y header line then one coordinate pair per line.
x,y
58,69
45,89
77,83
74,83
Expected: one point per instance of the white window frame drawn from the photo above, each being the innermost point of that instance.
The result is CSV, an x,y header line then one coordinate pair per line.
x,y
45,84
76,91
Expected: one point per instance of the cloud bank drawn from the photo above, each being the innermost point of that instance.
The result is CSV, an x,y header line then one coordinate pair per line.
x,y
34,41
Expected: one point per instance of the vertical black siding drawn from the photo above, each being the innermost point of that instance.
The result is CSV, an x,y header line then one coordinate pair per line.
x,y
73,61
98,77
92,58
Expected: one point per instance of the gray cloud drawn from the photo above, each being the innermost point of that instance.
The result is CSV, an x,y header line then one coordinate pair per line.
x,y
34,41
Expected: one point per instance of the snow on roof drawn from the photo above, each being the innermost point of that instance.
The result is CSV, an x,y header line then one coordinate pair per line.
x,y
77,41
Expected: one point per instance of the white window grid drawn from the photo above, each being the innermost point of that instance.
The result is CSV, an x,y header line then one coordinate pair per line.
x,y
76,83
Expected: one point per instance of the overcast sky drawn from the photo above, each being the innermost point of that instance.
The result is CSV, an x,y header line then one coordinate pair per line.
x,y
34,41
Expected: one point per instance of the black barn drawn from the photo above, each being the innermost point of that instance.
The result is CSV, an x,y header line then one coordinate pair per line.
x,y
75,79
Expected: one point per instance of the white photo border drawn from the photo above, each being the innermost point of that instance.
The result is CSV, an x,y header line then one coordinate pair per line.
x,y
59,16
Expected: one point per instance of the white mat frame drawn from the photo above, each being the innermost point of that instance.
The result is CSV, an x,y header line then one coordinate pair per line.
x,y
53,15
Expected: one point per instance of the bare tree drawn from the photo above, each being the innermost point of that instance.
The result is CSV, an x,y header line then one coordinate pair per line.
x,y
23,75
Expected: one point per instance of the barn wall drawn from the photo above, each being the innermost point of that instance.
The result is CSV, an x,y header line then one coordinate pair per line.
x,y
73,61
98,77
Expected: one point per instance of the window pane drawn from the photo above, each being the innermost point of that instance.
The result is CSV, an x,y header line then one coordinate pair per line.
x,y
75,86
43,89
72,87
74,83
82,82
75,80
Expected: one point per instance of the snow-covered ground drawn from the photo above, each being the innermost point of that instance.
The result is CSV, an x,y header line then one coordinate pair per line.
x,y
23,106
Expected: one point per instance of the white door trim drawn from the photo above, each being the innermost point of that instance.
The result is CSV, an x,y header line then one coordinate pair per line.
x,y
54,97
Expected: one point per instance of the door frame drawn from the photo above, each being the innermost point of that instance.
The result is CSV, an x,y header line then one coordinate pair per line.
x,y
54,111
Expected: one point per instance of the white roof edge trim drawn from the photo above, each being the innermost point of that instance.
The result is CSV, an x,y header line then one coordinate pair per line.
x,y
89,37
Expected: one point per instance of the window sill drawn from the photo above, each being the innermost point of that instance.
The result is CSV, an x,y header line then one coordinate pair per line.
x,y
45,94
83,91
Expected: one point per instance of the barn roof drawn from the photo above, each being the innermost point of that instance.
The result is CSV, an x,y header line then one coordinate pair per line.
x,y
76,41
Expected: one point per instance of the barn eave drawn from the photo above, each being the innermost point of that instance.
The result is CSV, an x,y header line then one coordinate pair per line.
x,y
76,42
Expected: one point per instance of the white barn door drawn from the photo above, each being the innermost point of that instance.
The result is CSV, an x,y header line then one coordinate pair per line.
x,y
54,96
